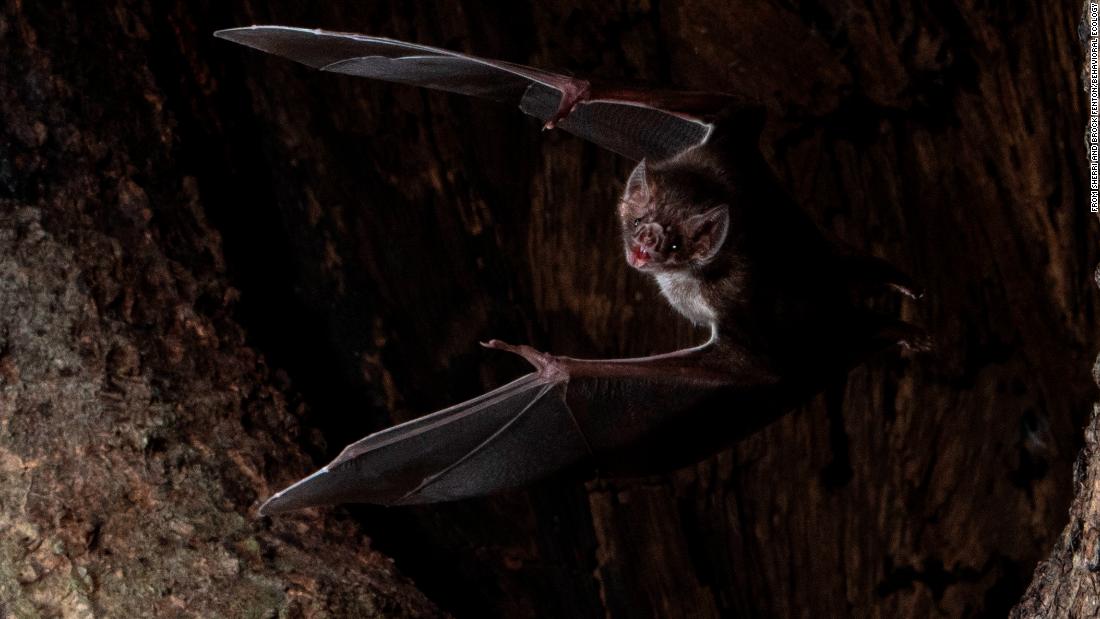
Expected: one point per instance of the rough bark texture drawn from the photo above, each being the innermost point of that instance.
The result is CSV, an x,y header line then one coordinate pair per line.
x,y
1067,583
376,233
136,424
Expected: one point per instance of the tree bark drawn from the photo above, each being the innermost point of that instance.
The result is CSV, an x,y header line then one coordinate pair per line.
x,y
136,423
1066,583
219,268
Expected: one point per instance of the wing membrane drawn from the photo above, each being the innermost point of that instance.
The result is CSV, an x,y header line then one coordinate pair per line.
x,y
633,131
636,123
458,75
506,438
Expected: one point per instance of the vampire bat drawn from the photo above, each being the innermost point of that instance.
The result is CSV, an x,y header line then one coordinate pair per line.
x,y
704,215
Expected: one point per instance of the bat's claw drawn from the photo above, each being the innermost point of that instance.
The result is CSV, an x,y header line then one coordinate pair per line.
x,y
558,117
910,338
546,364
571,97
917,344
908,290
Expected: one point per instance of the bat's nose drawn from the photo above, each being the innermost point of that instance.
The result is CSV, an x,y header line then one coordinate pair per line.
x,y
648,235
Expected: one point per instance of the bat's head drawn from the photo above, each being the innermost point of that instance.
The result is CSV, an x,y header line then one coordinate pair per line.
x,y
670,220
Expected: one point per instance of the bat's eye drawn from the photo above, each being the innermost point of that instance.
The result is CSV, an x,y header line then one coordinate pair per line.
x,y
637,221
675,246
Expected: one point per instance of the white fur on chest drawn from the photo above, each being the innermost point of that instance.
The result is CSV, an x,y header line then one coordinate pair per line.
x,y
684,293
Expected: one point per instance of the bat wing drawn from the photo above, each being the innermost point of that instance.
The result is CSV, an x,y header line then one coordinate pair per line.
x,y
503,439
618,415
636,123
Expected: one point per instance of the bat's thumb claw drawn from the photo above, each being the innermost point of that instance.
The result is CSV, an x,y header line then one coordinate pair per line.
x,y
546,364
496,344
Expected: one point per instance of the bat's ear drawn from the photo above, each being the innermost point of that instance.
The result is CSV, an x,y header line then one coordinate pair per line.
x,y
707,232
637,187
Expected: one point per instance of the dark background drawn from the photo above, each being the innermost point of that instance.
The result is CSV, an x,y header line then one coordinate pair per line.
x,y
356,240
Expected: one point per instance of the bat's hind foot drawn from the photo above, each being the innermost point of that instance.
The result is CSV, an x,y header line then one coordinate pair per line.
x,y
547,365
875,274
910,338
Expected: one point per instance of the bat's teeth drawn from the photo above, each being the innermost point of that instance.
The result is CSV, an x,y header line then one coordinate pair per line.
x,y
638,256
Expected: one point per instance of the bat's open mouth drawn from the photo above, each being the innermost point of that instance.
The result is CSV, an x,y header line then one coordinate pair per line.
x,y
637,256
